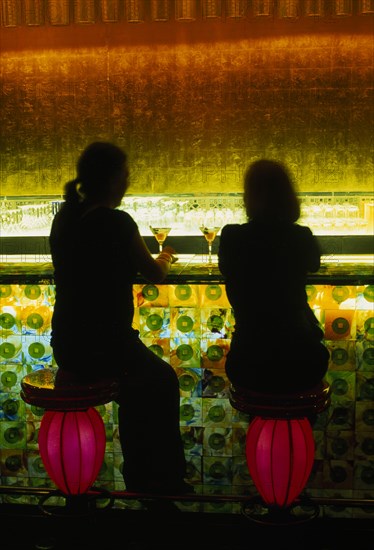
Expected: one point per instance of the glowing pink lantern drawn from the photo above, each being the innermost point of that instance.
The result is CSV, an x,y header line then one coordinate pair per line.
x,y
280,456
72,447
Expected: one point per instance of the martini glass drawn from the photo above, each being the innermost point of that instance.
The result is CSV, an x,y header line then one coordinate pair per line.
x,y
210,233
160,234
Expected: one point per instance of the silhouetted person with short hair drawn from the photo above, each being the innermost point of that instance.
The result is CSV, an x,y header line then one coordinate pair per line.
x,y
97,251
277,343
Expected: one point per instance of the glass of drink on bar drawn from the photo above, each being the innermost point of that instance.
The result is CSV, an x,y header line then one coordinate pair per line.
x,y
210,233
160,234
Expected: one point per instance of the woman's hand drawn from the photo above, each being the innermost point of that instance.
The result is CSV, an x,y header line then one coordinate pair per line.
x,y
170,250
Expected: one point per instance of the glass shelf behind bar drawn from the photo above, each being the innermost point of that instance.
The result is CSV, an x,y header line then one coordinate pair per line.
x,y
325,213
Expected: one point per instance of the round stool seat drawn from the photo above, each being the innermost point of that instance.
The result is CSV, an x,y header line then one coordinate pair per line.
x,y
292,405
39,388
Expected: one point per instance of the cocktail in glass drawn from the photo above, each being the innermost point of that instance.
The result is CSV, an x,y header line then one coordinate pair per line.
x,y
210,233
160,234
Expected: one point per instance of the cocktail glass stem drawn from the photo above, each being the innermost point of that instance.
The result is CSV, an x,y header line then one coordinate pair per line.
x,y
209,253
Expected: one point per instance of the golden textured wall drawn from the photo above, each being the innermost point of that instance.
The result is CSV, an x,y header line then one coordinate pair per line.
x,y
193,109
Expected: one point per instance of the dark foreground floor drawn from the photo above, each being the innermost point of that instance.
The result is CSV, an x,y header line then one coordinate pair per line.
x,y
29,528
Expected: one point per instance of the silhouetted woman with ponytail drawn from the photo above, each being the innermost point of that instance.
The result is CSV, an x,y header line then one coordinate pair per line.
x,y
97,251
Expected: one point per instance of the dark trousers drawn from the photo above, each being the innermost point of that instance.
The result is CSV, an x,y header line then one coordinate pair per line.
x,y
148,419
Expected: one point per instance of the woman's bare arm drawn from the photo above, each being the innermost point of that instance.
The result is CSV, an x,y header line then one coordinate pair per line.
x,y
152,269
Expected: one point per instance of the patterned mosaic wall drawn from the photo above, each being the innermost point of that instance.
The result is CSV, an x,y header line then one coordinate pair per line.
x,y
191,113
190,326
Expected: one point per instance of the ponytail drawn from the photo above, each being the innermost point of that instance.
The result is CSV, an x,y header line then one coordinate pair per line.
x,y
96,167
72,196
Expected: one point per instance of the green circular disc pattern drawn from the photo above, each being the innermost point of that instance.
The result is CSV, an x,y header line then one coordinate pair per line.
x,y
184,352
217,383
339,386
216,441
35,321
5,291
10,407
217,470
7,350
339,356
367,390
12,435
37,411
186,412
215,323
188,441
213,292
368,356
157,350
369,328
369,293
38,465
36,350
7,321
183,292
340,416
8,379
186,382
13,463
340,325
216,413
339,446
368,417
340,293
32,292
214,353
185,323
154,321
311,292
338,474
150,292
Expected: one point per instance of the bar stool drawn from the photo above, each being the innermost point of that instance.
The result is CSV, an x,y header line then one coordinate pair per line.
x,y
72,435
280,444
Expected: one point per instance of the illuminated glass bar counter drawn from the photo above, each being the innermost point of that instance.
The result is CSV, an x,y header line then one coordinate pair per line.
x,y
188,321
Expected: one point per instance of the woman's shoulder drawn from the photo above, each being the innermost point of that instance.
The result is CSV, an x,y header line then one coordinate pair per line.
x,y
233,229
302,230
110,220
117,216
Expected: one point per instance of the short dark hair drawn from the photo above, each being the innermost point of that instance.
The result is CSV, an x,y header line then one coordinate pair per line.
x,y
98,163
269,193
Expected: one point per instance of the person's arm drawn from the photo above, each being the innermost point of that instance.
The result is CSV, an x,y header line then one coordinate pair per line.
x,y
227,245
312,252
152,269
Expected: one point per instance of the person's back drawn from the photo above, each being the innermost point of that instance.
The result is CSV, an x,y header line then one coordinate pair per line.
x,y
265,264
94,274
265,268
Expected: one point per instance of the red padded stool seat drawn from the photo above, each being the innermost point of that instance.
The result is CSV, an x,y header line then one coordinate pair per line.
x,y
39,388
293,405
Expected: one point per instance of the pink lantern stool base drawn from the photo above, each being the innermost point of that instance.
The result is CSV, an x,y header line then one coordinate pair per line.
x,y
280,446
72,435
